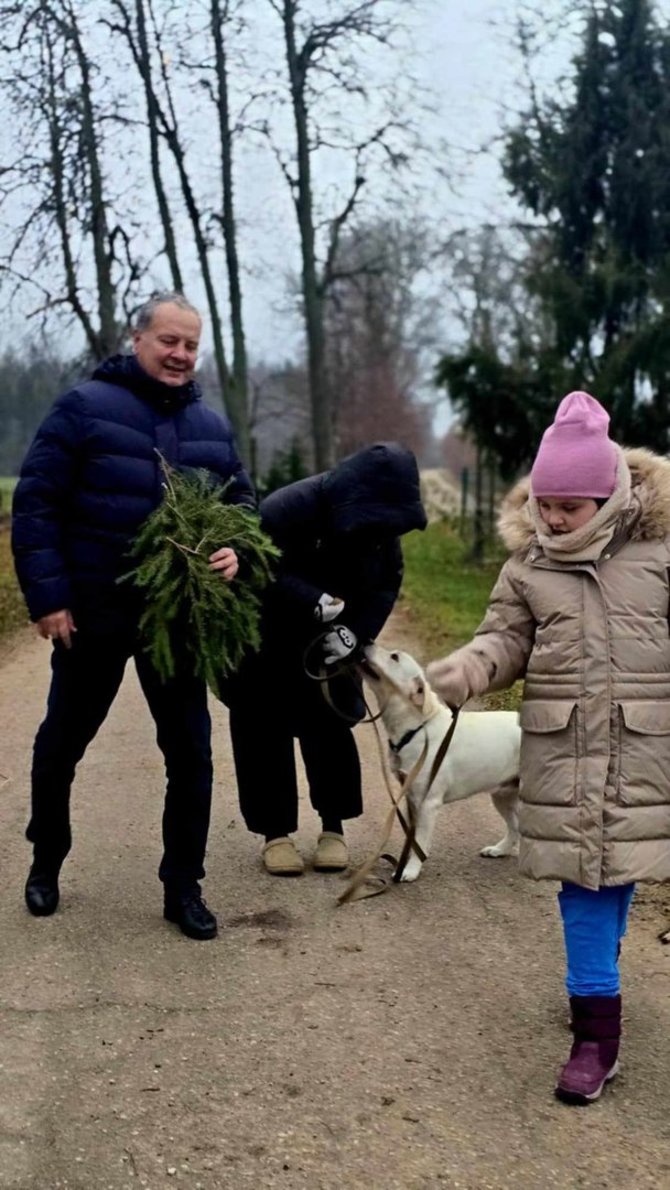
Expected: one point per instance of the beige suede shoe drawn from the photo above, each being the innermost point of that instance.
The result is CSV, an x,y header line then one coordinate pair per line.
x,y
331,854
281,857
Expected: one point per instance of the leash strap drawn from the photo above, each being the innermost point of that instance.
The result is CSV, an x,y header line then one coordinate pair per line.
x,y
410,840
362,875
340,669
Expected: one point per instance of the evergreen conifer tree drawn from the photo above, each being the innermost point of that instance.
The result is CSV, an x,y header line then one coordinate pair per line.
x,y
591,166
596,170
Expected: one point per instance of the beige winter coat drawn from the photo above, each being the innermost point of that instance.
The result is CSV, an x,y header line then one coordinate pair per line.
x,y
593,642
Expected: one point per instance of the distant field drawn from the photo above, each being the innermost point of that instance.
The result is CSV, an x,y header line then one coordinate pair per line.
x,y
12,607
7,485
447,595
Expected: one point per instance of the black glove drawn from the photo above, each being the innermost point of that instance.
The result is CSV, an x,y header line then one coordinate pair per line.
x,y
338,644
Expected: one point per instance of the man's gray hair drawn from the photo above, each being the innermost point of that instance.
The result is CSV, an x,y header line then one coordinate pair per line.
x,y
145,314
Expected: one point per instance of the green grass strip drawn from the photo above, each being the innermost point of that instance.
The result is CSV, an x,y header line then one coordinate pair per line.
x,y
447,594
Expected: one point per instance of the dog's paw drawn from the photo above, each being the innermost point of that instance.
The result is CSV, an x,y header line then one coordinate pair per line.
x,y
664,937
411,870
500,850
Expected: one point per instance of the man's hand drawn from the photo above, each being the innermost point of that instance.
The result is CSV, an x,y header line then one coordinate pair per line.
x,y
225,561
57,626
338,644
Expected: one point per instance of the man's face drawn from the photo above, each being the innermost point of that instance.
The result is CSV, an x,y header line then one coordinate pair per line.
x,y
168,348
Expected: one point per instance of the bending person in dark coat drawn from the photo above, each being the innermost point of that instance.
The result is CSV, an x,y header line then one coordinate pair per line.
x,y
89,480
339,574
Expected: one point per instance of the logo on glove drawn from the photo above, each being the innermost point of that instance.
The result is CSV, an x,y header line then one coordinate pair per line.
x,y
338,644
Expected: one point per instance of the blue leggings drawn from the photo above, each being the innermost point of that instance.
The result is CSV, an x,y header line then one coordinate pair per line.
x,y
594,922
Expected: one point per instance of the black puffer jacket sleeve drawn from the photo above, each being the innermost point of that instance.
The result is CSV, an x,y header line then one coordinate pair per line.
x,y
293,518
367,612
40,505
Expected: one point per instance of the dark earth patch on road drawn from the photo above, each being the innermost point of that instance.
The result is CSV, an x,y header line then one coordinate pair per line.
x,y
268,919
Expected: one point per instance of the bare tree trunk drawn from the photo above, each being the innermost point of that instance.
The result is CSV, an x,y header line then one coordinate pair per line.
x,y
59,195
62,26
143,62
465,481
163,123
331,55
492,476
312,297
238,395
170,130
108,334
477,552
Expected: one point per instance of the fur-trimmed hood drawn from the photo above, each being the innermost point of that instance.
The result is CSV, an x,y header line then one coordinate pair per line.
x,y
650,478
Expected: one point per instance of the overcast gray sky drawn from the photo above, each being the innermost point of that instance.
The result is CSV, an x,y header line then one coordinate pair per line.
x,y
469,67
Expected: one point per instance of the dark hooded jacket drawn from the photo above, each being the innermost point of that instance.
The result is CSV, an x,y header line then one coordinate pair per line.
x,y
338,533
92,476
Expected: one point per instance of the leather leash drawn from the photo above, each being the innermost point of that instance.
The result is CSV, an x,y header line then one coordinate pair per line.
x,y
324,676
410,840
362,875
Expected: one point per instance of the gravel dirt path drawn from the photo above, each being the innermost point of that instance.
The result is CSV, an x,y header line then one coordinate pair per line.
x,y
407,1041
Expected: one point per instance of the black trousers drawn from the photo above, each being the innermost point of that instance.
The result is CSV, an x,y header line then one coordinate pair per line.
x,y
270,706
85,681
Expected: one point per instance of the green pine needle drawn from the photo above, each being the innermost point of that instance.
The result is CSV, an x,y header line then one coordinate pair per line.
x,y
185,603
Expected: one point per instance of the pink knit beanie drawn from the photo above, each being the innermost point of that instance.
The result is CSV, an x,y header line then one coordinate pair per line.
x,y
576,457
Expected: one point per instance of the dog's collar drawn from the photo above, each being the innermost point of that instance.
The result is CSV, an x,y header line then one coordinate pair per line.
x,y
405,739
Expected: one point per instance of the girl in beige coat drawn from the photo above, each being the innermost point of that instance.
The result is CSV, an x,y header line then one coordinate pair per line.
x,y
580,611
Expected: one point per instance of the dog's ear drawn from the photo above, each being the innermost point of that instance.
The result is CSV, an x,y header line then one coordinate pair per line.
x,y
417,694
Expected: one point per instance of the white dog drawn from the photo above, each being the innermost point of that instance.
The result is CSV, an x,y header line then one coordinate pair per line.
x,y
483,753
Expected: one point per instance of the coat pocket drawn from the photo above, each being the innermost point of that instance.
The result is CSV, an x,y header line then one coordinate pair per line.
x,y
644,753
549,751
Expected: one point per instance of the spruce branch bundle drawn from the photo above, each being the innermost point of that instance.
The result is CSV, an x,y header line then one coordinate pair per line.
x,y
186,605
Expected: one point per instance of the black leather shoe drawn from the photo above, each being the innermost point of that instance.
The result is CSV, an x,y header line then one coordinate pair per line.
x,y
42,892
190,913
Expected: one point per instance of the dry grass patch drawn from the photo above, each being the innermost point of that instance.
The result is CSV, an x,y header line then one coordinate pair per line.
x,y
12,608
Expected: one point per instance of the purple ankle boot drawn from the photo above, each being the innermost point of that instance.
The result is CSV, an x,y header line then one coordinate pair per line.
x,y
596,1023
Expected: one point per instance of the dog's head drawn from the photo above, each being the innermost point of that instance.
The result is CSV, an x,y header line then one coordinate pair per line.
x,y
392,673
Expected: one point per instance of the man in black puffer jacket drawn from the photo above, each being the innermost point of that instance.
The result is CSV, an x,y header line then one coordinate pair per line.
x,y
89,480
339,577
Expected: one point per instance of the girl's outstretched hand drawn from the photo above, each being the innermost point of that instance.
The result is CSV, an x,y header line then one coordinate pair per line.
x,y
460,676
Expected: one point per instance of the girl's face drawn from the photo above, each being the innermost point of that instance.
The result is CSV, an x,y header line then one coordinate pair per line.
x,y
563,514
